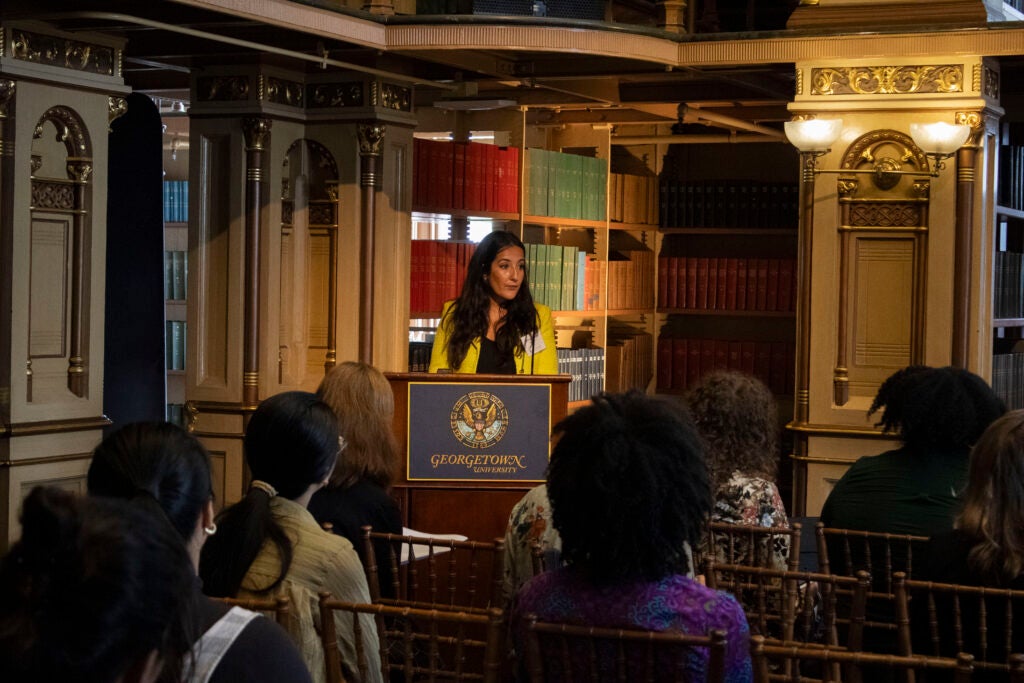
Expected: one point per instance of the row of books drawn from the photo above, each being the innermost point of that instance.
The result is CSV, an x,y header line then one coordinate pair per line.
x,y
175,275
683,361
587,369
1011,177
728,204
629,361
436,271
633,198
176,414
175,201
1008,292
174,344
631,281
728,284
419,355
465,176
565,185
562,278
1008,378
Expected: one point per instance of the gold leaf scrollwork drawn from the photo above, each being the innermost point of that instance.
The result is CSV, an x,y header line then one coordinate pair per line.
x,y
887,80
116,108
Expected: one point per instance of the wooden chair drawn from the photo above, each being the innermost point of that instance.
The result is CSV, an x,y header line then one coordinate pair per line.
x,y
847,551
425,644
754,546
775,662
429,572
938,618
556,651
795,606
280,606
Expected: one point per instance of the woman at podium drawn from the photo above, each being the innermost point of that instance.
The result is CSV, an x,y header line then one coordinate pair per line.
x,y
494,327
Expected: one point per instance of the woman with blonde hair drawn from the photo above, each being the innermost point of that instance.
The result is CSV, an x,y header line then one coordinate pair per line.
x,y
358,492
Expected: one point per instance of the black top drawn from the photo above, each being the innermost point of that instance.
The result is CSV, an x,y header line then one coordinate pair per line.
x,y
261,652
348,510
490,363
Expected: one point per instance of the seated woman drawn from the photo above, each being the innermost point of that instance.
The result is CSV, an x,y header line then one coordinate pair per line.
x,y
987,546
529,523
629,490
938,413
95,591
738,420
357,494
164,463
268,543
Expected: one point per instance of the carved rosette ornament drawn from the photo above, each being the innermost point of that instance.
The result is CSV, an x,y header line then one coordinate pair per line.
x,y
257,133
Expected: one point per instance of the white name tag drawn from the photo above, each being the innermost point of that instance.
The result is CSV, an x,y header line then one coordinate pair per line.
x,y
533,344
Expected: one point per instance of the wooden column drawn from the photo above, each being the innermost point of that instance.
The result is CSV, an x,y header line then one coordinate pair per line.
x,y
371,136
965,162
257,137
803,285
7,137
79,169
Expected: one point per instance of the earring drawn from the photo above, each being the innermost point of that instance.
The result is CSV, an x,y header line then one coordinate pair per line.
x,y
210,530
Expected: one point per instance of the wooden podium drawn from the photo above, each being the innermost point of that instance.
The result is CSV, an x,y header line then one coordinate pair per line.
x,y
471,446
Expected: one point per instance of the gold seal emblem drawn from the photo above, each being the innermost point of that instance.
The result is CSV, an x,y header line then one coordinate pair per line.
x,y
479,419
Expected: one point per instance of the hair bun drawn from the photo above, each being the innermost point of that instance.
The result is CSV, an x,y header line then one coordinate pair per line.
x,y
48,522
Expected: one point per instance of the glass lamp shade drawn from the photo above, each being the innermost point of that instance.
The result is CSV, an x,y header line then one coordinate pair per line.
x,y
939,138
813,135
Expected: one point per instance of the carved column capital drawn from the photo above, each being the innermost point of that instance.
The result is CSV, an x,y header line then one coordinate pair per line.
x,y
7,88
257,132
116,107
371,135
79,170
976,121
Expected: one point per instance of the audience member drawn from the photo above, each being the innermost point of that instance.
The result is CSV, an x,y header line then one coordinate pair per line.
x,y
938,413
987,546
357,494
529,524
96,591
163,462
268,542
629,491
738,421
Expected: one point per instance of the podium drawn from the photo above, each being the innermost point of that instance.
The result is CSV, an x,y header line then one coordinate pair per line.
x,y
471,446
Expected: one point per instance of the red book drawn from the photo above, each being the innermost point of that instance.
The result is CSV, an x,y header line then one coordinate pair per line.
x,y
747,356
707,356
693,360
491,178
762,362
735,355
691,284
723,284
771,302
662,281
680,358
512,179
676,294
786,284
741,284
721,354
444,175
778,371
712,278
752,284
762,284
451,270
665,351
458,175
702,282
731,277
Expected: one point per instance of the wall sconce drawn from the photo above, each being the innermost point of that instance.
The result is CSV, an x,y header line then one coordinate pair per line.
x,y
938,141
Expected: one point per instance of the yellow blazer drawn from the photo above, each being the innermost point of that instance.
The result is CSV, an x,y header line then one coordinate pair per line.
x,y
544,362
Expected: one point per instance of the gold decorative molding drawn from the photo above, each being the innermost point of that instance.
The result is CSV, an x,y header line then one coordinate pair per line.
x,y
396,97
371,135
77,424
222,88
976,121
331,95
64,53
116,108
839,430
53,195
280,91
886,215
799,81
79,170
257,135
887,80
70,130
990,82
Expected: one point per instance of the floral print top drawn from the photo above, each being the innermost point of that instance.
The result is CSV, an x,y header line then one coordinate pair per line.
x,y
752,501
529,522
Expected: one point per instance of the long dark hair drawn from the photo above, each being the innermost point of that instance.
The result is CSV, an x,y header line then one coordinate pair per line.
x,y
91,589
467,320
291,443
156,459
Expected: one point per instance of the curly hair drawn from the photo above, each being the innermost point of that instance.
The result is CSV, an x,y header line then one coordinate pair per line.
x,y
467,319
993,504
936,408
737,417
364,404
628,488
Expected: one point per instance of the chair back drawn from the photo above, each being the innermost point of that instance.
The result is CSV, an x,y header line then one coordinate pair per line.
x,y
432,572
938,618
790,662
795,606
279,607
420,644
754,546
567,652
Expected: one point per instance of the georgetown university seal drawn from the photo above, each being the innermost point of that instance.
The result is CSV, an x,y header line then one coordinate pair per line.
x,y
479,419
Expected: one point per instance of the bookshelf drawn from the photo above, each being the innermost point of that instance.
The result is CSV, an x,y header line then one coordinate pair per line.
x,y
175,221
1008,270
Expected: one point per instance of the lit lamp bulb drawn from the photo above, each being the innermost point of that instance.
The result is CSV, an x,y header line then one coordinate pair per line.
x,y
939,139
813,135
